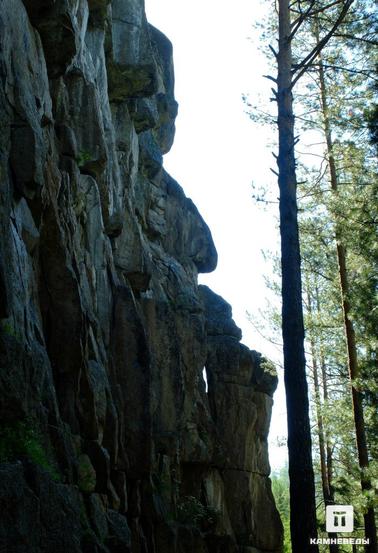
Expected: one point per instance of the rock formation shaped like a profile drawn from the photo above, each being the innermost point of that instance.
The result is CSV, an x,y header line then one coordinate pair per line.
x,y
109,441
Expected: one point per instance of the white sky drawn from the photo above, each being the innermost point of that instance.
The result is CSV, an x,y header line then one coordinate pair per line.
x,y
218,152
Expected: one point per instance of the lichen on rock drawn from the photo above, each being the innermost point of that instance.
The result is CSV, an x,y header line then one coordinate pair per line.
x,y
104,331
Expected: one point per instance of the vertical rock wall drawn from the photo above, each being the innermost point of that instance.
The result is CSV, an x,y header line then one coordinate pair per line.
x,y
109,441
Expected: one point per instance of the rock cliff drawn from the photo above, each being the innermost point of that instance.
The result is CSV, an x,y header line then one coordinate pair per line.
x,y
109,440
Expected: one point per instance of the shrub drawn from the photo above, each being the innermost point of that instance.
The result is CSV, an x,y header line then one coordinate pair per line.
x,y
192,512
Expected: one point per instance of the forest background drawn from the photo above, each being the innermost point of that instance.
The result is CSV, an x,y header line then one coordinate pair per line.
x,y
335,148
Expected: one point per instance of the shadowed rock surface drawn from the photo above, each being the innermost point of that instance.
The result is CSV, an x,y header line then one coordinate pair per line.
x,y
109,441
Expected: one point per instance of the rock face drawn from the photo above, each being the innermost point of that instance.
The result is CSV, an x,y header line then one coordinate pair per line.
x,y
109,441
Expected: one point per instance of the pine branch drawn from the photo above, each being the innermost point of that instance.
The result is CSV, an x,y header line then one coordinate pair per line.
x,y
357,38
307,61
319,10
346,69
298,22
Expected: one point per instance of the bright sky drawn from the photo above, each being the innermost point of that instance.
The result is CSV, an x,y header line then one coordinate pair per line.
x,y
218,152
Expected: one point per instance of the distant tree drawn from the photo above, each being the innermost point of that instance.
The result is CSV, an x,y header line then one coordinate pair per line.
x,y
349,327
280,489
339,213
325,454
371,115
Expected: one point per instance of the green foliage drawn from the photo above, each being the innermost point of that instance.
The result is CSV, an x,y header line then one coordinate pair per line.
x,y
20,440
371,116
86,474
8,329
192,512
268,367
83,157
336,119
280,489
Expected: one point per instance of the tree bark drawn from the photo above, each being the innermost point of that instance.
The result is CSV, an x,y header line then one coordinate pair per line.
x,y
302,488
358,414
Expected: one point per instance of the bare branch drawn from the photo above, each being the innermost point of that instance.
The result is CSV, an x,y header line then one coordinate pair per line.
x,y
270,78
273,51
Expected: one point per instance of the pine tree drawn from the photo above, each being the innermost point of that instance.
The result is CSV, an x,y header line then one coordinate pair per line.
x,y
338,229
350,335
302,486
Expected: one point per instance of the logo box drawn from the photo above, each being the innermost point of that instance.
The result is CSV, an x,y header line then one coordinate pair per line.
x,y
339,518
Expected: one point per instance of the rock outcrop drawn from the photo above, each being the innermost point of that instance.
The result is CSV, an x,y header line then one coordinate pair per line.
x,y
109,440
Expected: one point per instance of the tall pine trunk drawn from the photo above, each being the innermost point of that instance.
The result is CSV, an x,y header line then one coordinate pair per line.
x,y
358,414
302,487
324,467
329,454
